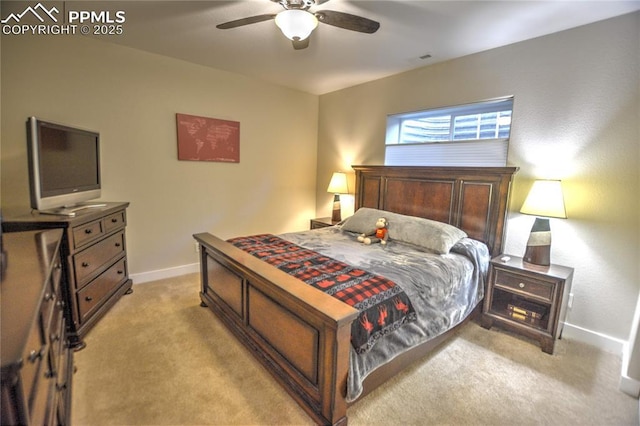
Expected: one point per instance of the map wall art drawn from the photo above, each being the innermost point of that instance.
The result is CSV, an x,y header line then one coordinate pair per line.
x,y
208,139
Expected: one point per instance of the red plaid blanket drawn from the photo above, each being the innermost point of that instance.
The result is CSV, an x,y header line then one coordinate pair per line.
x,y
383,306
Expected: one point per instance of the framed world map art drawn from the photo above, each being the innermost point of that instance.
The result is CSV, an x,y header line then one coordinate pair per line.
x,y
207,139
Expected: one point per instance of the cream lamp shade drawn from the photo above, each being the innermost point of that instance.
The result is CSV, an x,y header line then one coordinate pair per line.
x,y
337,186
296,24
545,200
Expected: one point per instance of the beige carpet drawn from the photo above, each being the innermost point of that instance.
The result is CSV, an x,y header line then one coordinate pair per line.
x,y
158,358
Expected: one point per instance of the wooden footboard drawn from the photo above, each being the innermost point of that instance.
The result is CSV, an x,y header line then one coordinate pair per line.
x,y
300,334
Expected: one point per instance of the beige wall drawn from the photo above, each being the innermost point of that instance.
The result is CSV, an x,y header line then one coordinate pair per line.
x,y
132,97
576,117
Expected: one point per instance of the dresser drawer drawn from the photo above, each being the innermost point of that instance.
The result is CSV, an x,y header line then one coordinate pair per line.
x,y
41,399
88,232
63,388
56,276
91,295
114,221
63,366
56,338
537,288
34,359
47,307
89,262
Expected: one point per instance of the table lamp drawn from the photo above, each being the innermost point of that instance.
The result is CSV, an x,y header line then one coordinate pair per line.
x,y
337,186
545,200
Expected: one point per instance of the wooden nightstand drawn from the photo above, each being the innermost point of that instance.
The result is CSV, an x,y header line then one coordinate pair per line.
x,y
528,299
321,222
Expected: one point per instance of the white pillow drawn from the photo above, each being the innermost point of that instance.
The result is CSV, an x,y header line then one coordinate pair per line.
x,y
426,233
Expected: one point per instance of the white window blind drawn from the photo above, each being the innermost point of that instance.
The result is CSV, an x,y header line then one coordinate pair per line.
x,y
467,135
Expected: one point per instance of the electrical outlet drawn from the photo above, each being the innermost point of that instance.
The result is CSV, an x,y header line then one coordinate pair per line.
x,y
570,302
196,246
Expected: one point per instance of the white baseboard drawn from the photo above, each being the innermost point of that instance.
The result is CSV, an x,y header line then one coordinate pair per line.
x,y
628,385
599,340
176,271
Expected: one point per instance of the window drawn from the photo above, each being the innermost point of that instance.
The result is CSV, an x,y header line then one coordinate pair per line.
x,y
468,135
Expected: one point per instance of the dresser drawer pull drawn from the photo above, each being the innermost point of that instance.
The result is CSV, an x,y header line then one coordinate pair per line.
x,y
85,264
114,220
35,355
521,285
88,298
120,272
88,231
117,244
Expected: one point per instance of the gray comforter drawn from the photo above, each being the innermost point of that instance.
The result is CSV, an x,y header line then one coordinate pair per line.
x,y
443,289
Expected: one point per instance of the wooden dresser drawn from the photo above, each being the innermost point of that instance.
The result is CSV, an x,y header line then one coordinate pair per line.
x,y
37,362
95,261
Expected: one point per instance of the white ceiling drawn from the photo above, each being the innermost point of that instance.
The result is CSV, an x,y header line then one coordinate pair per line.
x,y
338,58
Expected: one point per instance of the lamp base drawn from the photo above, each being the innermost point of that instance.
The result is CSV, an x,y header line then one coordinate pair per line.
x,y
335,215
538,250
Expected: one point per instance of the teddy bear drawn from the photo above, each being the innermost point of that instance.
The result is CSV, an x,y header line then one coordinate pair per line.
x,y
380,234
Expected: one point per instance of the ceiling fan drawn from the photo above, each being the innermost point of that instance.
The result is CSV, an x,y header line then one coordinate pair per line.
x,y
297,23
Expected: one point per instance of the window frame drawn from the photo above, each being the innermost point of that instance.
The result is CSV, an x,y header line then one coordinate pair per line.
x,y
395,121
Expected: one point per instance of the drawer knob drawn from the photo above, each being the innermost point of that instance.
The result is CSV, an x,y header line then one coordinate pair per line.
x,y
88,298
35,355
114,220
120,272
521,285
117,244
85,264
87,231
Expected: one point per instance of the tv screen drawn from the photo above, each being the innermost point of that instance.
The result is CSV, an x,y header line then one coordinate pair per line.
x,y
64,165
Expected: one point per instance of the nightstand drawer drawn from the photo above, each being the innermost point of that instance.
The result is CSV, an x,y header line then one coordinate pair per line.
x,y
537,288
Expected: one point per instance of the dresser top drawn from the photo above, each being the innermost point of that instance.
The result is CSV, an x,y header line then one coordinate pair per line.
x,y
16,222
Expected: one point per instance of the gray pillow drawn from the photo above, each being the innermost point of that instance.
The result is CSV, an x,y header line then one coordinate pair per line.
x,y
426,233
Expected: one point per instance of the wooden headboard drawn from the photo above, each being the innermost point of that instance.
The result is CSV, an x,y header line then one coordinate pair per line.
x,y
474,199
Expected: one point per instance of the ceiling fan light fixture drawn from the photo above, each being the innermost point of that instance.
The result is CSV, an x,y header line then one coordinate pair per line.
x,y
296,24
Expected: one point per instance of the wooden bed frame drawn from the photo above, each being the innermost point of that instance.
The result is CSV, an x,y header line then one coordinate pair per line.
x,y
302,335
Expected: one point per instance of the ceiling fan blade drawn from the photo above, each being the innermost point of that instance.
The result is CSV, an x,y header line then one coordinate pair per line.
x,y
347,21
301,44
245,21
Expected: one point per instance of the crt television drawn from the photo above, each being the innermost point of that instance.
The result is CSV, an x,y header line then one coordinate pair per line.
x,y
64,166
